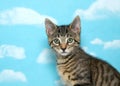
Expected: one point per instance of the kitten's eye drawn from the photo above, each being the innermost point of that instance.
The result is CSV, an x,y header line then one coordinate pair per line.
x,y
56,41
70,40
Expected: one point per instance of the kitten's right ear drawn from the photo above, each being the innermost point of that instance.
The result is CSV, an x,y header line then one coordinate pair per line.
x,y
50,26
76,25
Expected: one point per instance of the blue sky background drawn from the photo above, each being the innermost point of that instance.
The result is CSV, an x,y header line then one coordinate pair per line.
x,y
25,56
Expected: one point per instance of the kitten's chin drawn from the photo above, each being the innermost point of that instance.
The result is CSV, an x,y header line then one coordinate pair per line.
x,y
64,54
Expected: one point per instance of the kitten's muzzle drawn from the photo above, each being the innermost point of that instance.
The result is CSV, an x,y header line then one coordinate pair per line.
x,y
63,47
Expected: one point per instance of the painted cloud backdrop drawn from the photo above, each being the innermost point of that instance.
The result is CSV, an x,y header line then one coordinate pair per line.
x,y
25,56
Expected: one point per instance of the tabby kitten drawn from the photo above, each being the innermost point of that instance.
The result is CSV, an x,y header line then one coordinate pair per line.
x,y
76,67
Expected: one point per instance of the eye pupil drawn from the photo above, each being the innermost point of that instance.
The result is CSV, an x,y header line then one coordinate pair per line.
x,y
56,41
70,40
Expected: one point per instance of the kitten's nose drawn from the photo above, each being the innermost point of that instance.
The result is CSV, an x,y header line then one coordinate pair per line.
x,y
63,46
63,49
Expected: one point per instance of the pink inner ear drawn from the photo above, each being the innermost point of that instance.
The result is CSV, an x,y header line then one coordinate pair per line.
x,y
76,30
49,31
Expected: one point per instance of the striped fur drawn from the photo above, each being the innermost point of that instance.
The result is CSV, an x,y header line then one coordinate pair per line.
x,y
76,67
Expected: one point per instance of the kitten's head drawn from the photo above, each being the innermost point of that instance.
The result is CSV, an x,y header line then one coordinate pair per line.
x,y
63,39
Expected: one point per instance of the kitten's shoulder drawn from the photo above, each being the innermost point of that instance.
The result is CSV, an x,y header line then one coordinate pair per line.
x,y
97,62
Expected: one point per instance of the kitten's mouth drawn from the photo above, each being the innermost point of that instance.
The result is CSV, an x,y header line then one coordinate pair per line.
x,y
64,53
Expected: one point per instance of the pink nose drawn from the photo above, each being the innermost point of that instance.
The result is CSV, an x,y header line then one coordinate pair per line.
x,y
63,46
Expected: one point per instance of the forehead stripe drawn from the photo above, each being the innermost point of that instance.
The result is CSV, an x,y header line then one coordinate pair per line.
x,y
62,30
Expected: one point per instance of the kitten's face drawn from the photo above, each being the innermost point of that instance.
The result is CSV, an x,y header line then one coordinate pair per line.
x,y
63,39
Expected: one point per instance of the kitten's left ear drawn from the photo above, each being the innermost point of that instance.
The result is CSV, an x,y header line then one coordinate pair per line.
x,y
75,25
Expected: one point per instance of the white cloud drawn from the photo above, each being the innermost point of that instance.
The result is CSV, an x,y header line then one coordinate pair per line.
x,y
12,51
100,9
46,56
112,44
97,41
87,50
59,83
21,15
106,45
9,75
